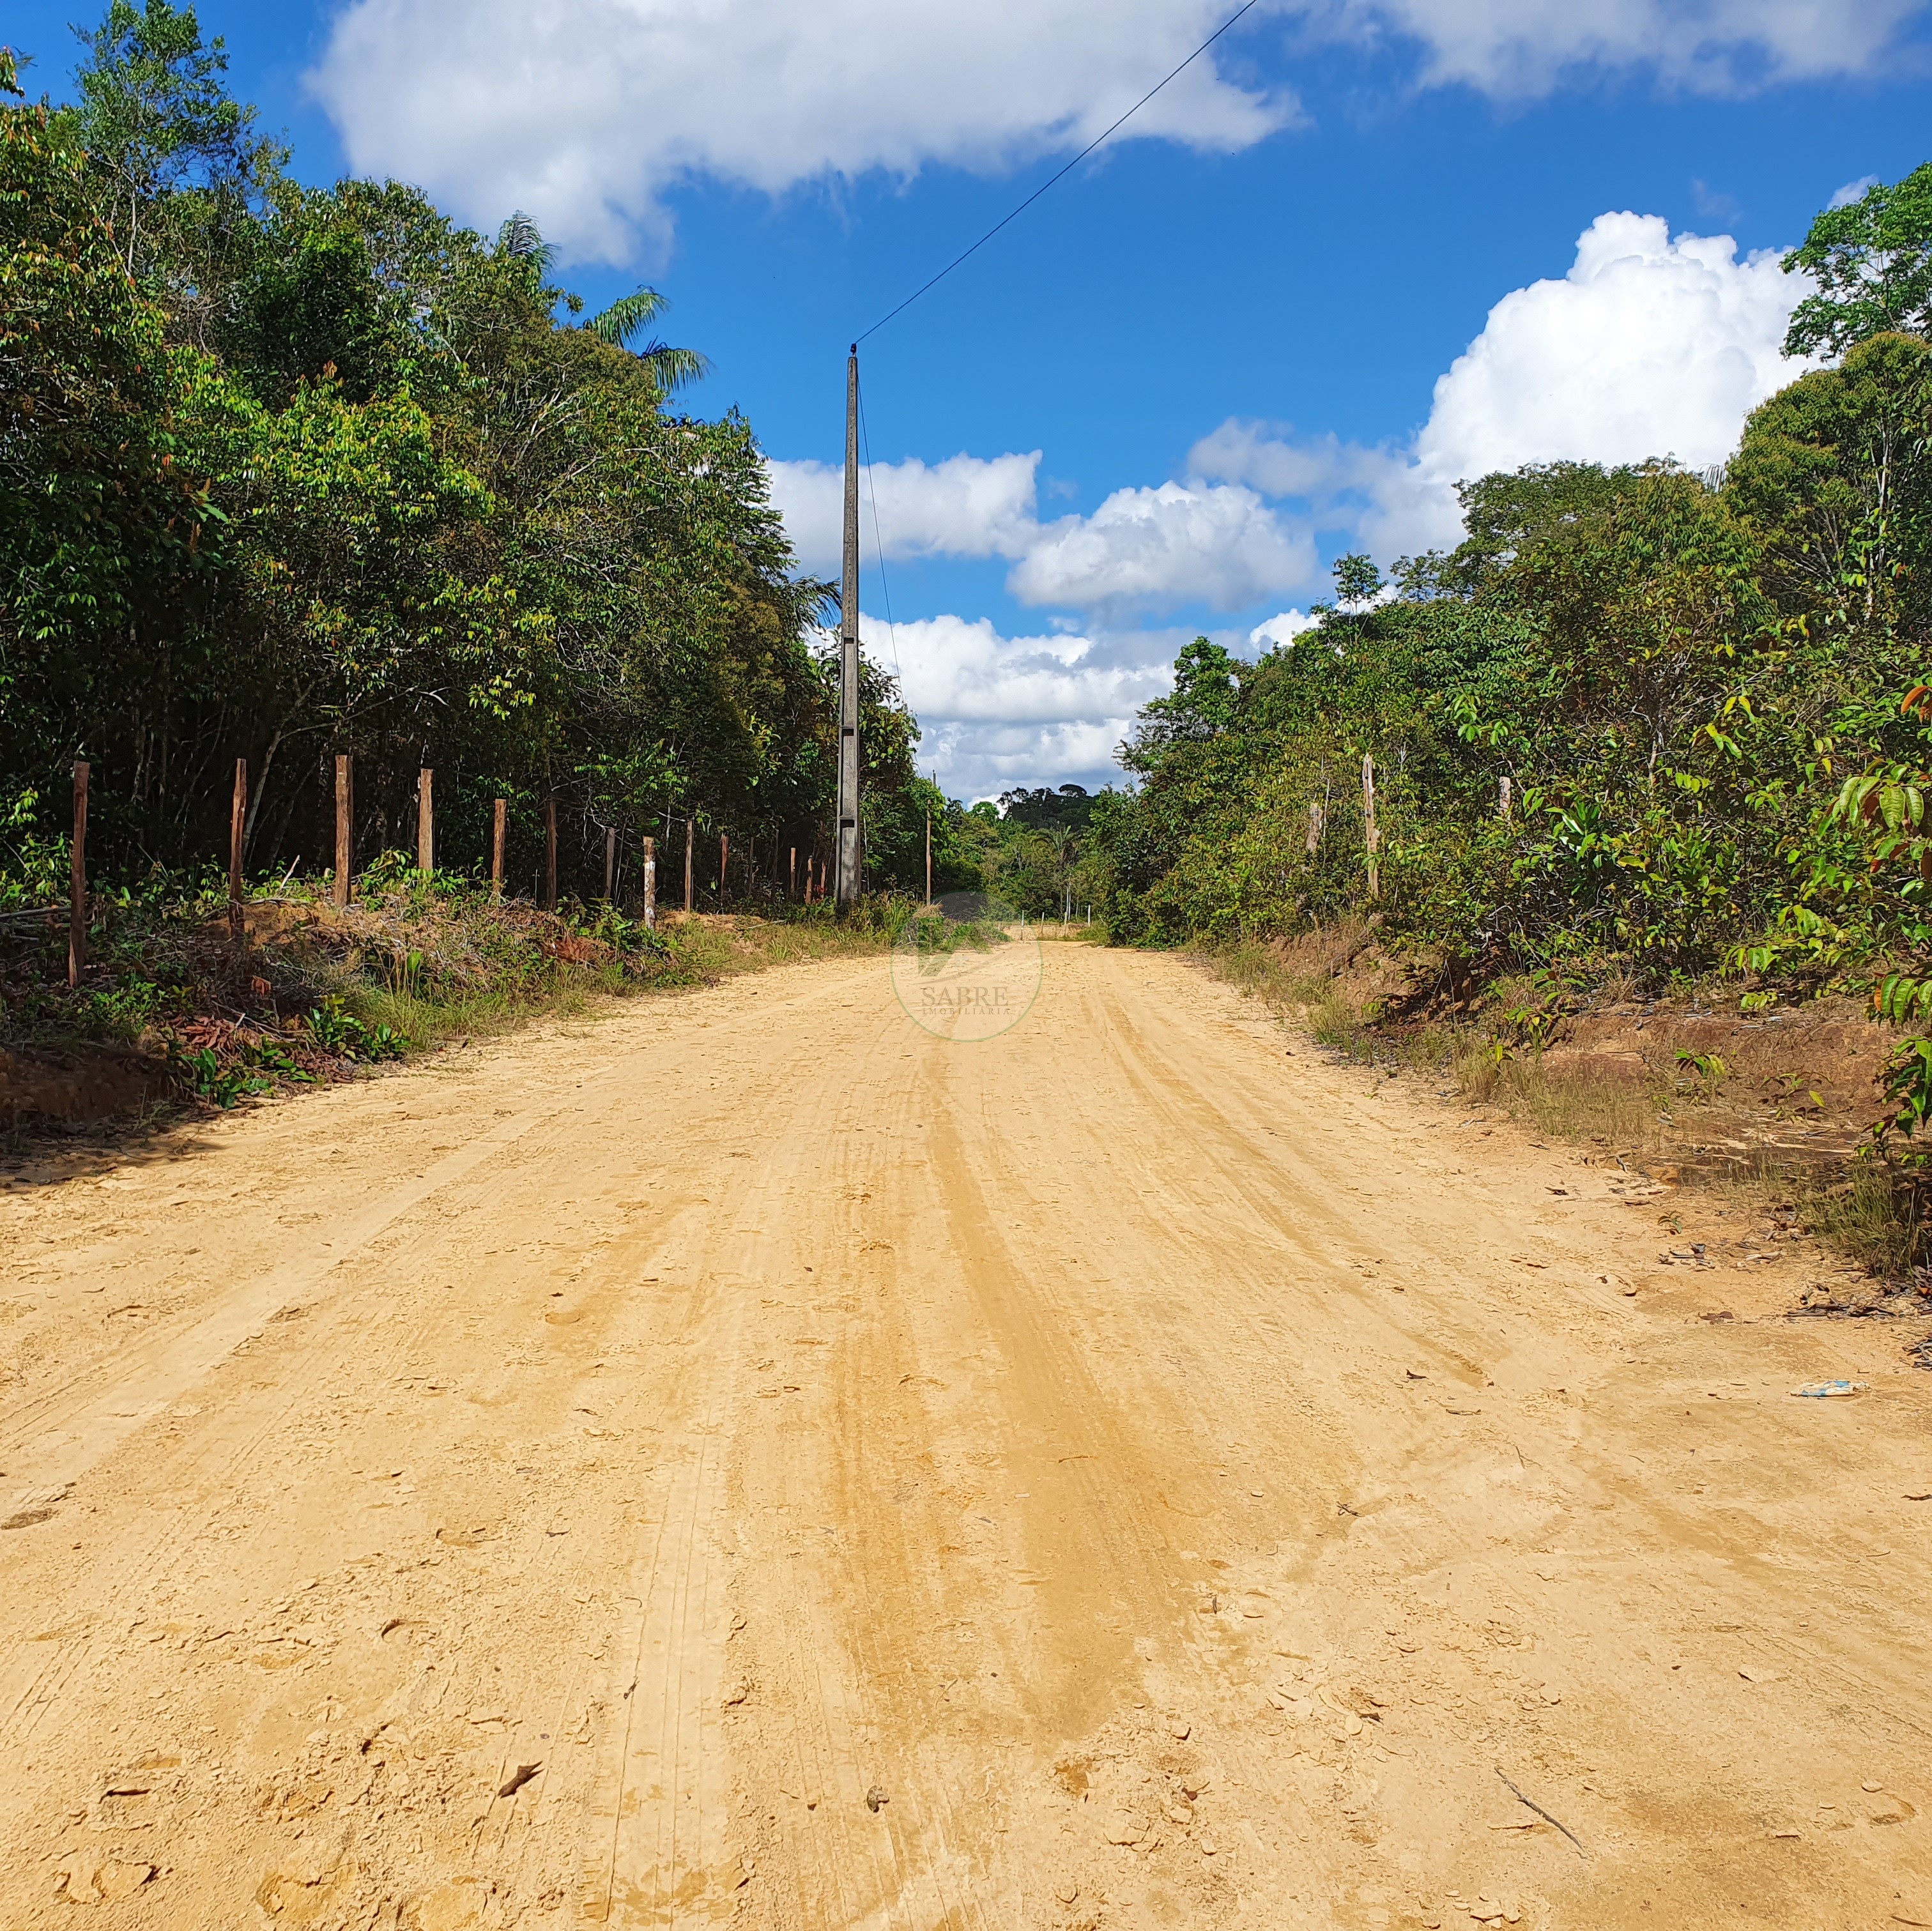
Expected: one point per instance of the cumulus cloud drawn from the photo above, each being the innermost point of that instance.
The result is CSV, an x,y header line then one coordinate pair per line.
x,y
1157,549
1182,543
1652,345
1284,628
585,112
1320,469
1521,49
965,506
964,671
999,711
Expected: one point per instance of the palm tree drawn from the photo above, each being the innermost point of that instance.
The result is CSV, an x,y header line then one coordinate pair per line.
x,y
670,368
520,237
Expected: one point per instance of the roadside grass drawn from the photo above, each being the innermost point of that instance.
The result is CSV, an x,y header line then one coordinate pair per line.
x,y
703,949
165,1015
1563,1103
1486,1071
1871,1213
1874,1216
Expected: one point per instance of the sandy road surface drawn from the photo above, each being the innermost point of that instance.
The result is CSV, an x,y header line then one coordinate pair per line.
x,y
558,1483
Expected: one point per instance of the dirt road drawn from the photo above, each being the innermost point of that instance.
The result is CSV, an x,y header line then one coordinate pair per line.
x,y
751,1462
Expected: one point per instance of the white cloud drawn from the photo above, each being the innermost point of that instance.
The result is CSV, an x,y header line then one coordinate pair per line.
x,y
971,762
1320,469
1854,190
1652,345
997,710
963,671
1160,548
585,112
965,506
1283,629
1522,49
1182,543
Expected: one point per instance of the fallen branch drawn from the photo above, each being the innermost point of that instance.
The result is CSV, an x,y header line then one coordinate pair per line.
x,y
1546,1816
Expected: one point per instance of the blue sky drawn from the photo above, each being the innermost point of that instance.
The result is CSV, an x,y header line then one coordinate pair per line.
x,y
1224,335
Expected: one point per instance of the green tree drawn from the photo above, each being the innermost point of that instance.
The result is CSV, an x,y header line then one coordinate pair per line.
x,y
158,121
103,527
1872,260
1357,581
1503,512
1834,474
1201,705
287,471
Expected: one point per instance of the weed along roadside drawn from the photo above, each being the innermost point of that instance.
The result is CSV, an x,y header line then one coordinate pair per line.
x,y
162,1015
1768,1116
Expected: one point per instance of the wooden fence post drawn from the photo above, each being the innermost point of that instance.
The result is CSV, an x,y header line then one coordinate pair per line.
x,y
76,901
344,811
689,834
724,858
929,858
425,820
1503,797
610,862
550,854
791,879
1371,837
237,824
496,850
1314,824
650,884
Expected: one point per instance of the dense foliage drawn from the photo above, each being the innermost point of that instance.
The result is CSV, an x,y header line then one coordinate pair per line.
x,y
1612,731
288,472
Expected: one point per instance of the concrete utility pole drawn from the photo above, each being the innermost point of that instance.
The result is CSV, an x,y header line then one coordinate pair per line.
x,y
846,851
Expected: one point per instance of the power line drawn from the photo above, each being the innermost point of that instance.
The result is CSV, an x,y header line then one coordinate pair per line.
x,y
1063,172
878,543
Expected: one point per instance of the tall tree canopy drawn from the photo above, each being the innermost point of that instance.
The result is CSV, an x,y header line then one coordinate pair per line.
x,y
1872,260
288,472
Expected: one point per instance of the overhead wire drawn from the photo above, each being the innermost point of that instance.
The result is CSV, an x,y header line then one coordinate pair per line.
x,y
1246,6
871,489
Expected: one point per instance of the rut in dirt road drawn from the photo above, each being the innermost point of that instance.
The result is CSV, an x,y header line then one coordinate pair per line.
x,y
751,1462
